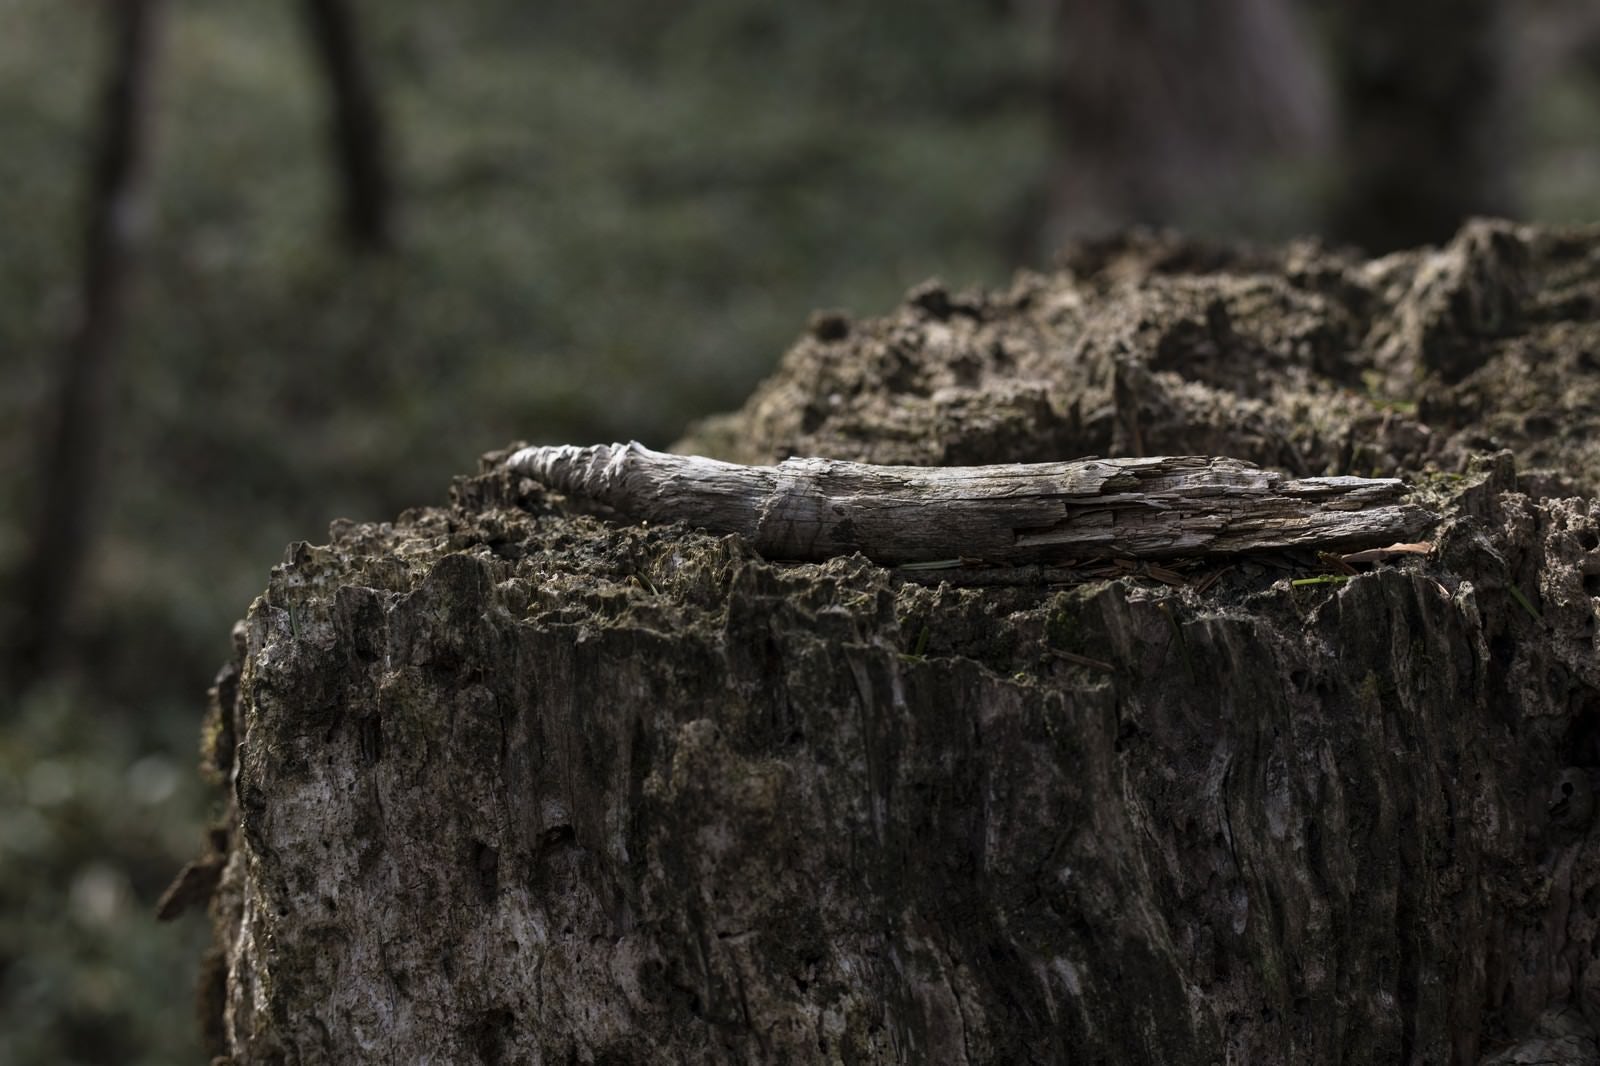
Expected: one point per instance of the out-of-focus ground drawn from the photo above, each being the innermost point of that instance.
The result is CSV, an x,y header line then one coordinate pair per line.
x,y
613,218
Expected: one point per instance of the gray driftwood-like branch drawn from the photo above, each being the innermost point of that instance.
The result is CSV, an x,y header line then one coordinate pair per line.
x,y
1161,507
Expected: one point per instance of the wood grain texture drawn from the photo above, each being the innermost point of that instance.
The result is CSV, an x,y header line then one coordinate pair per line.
x,y
1158,507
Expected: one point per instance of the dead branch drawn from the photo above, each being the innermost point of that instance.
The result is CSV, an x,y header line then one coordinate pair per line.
x,y
1160,507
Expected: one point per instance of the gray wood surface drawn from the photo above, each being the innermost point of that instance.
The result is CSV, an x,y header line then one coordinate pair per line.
x,y
1157,507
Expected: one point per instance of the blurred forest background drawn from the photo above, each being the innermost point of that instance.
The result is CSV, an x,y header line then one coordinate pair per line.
x,y
268,264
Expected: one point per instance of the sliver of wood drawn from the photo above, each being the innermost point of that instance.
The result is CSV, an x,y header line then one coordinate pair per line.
x,y
1148,508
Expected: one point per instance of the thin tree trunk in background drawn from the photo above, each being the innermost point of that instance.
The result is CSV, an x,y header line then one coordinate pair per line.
x,y
356,128
1422,141
1162,109
117,210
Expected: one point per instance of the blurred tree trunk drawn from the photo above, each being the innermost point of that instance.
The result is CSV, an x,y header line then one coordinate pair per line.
x,y
355,128
1422,137
71,458
1160,107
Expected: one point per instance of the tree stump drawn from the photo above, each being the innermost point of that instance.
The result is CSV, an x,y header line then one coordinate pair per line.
x,y
517,780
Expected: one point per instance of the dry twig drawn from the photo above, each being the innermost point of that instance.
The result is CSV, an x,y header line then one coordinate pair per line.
x,y
1149,508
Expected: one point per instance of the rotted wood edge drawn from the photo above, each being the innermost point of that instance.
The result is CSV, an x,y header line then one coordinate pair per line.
x,y
1145,508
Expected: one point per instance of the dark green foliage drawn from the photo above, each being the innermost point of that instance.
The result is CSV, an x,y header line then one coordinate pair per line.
x,y
95,817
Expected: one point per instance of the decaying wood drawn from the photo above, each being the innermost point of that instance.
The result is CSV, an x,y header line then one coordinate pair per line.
x,y
1159,507
508,787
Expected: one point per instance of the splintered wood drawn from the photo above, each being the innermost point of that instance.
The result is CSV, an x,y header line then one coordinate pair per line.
x,y
1147,508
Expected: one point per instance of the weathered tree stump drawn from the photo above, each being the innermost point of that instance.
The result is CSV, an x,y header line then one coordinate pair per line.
x,y
511,783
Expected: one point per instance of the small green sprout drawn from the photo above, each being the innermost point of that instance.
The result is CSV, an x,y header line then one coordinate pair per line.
x,y
1320,579
1516,594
